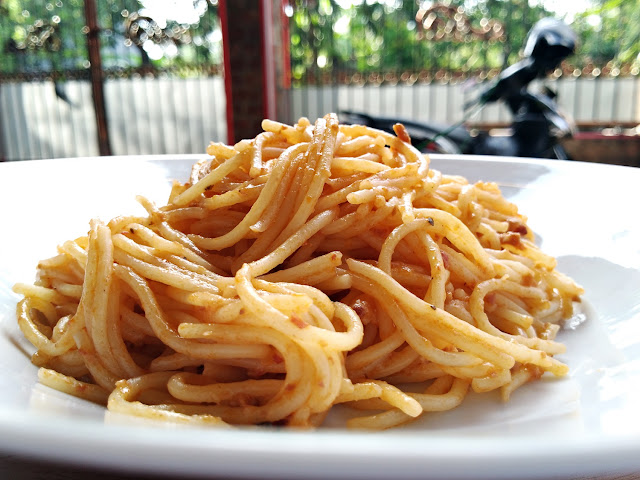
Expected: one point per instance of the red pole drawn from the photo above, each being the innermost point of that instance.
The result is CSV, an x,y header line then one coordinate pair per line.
x,y
268,59
224,26
286,53
247,34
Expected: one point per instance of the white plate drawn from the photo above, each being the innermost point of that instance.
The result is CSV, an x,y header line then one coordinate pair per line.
x,y
586,423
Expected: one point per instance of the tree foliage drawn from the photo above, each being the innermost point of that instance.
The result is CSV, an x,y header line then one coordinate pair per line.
x,y
382,36
37,36
611,32
327,36
45,36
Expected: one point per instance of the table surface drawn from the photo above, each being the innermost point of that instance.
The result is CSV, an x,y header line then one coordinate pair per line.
x,y
17,468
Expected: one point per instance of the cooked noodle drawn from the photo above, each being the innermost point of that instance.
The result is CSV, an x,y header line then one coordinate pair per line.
x,y
314,265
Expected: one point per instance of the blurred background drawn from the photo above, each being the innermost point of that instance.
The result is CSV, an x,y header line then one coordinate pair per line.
x,y
124,77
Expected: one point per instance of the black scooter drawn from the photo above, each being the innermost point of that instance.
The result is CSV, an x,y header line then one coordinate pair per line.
x,y
538,125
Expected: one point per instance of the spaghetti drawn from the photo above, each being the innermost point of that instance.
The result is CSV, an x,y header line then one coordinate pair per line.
x,y
312,266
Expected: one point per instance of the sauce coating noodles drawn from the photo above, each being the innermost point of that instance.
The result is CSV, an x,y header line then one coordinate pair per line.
x,y
312,266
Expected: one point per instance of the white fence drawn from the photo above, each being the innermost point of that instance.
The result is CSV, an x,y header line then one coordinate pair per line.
x,y
145,116
600,100
170,115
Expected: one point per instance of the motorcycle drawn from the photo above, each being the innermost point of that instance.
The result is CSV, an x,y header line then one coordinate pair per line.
x,y
537,126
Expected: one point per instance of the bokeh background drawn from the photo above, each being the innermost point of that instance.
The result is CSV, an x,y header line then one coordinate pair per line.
x,y
125,77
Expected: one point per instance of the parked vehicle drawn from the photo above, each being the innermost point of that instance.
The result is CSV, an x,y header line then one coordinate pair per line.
x,y
537,126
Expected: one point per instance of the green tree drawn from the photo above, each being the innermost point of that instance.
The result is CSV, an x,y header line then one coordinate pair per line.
x,y
610,32
41,36
382,36
45,36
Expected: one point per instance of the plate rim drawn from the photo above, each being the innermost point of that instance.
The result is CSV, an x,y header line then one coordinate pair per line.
x,y
581,455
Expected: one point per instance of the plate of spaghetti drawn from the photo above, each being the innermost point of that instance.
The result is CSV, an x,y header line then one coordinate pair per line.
x,y
325,300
